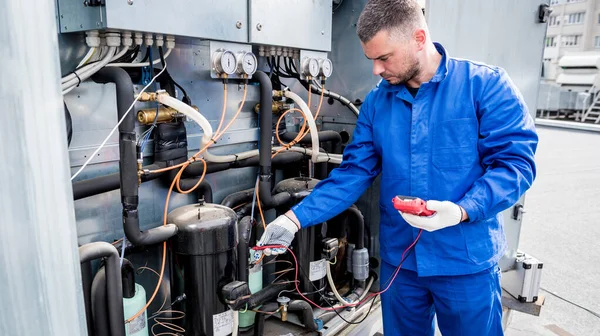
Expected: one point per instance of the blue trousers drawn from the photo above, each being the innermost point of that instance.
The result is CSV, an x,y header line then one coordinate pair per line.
x,y
464,305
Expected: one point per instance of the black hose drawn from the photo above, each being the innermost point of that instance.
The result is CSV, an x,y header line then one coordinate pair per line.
x,y
259,318
266,132
128,161
307,313
114,288
259,298
237,198
285,158
244,227
324,136
99,309
69,122
359,226
86,279
280,199
128,279
106,183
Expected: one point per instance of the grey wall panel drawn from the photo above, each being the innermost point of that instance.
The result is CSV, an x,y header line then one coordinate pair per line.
x,y
212,19
291,23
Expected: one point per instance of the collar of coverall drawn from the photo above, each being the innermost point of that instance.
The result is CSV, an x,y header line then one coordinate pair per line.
x,y
440,74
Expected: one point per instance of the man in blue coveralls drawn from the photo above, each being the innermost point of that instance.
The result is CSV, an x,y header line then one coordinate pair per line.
x,y
454,132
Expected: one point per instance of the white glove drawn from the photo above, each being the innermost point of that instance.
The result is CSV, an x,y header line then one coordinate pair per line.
x,y
281,231
446,214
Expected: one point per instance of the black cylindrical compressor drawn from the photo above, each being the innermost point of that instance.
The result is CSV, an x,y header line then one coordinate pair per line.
x,y
204,260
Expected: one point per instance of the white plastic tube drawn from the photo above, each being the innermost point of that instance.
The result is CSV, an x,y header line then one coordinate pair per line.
x,y
314,136
119,54
137,65
332,284
236,323
190,113
86,58
87,71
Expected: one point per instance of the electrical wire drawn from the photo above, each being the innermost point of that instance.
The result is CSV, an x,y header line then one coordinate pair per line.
x,y
87,162
571,302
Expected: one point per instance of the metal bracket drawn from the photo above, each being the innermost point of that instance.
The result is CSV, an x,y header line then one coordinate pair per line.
x,y
518,212
543,13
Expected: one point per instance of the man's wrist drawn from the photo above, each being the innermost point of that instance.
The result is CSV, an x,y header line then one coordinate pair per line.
x,y
290,214
464,216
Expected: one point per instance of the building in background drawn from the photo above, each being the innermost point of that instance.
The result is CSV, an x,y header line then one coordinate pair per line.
x,y
574,32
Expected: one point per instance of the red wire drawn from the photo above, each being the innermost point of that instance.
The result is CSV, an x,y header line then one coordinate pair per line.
x,y
348,304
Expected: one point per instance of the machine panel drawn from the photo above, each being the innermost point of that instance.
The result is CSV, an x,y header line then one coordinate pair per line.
x,y
226,20
291,23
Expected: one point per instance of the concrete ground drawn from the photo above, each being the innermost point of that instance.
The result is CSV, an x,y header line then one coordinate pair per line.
x,y
562,229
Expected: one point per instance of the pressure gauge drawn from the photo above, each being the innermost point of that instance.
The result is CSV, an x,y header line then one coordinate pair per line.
x,y
247,63
224,62
326,68
310,67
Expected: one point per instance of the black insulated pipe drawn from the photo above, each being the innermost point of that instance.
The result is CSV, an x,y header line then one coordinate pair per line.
x,y
204,190
114,288
324,136
244,229
307,316
99,309
128,161
106,183
359,225
266,134
259,318
237,198
128,279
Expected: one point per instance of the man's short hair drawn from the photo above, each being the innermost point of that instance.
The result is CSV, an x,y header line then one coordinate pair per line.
x,y
398,17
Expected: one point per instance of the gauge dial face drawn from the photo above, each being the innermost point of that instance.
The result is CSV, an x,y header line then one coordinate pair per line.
x,y
226,62
313,67
326,68
248,64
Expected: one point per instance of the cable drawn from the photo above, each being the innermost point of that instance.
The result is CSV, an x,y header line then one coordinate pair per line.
x,y
116,127
571,302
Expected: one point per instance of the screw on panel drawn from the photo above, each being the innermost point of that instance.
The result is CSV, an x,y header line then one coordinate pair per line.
x,y
322,32
85,3
130,2
98,24
259,27
238,25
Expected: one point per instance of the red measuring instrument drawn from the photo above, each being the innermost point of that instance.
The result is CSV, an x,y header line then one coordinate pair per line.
x,y
411,205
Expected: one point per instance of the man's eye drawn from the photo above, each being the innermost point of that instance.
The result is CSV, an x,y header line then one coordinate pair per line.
x,y
383,59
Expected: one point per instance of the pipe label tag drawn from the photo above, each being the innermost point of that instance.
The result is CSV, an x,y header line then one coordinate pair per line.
x,y
223,323
136,325
317,270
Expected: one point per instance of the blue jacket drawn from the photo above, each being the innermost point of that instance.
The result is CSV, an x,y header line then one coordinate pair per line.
x,y
467,137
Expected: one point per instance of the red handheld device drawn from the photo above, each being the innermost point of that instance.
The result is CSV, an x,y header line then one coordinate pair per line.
x,y
411,205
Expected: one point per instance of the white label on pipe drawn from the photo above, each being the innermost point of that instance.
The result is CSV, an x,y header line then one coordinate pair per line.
x,y
138,324
317,270
223,323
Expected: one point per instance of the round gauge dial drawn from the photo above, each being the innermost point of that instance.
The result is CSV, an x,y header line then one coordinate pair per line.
x,y
247,64
311,67
326,68
225,62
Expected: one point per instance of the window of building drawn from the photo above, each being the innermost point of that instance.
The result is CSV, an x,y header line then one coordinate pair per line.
x,y
554,2
555,20
570,40
597,42
574,1
551,41
574,18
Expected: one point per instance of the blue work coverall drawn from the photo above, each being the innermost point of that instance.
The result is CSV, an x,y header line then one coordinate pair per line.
x,y
466,137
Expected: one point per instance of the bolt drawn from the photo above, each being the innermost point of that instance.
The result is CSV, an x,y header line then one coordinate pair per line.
x,y
61,16
130,2
98,24
85,3
259,27
80,26
238,25
322,32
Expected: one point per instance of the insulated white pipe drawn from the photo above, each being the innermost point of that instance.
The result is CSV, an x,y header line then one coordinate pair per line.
x,y
189,112
332,284
314,136
87,72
